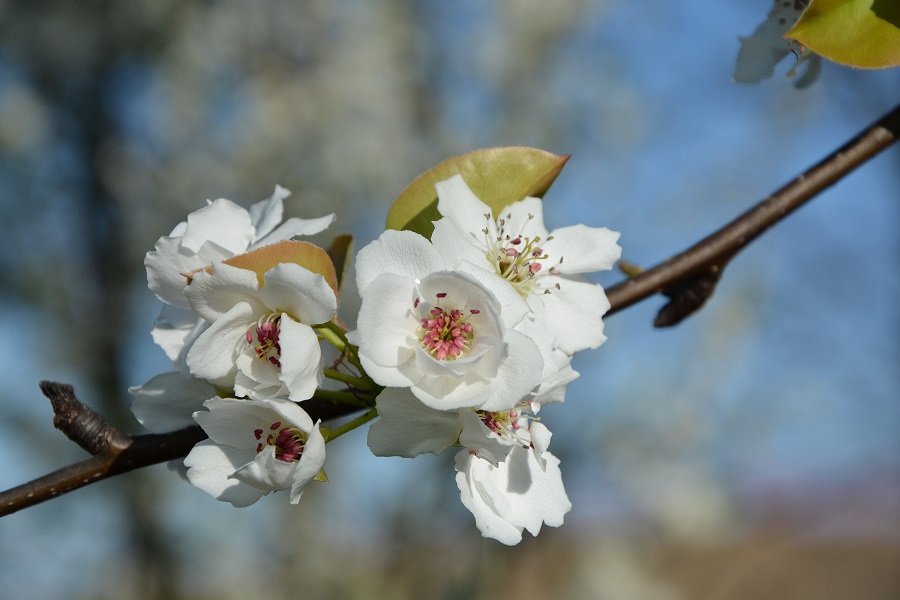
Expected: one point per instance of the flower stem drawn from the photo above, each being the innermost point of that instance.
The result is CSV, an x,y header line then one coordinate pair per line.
x,y
364,383
333,332
351,425
340,397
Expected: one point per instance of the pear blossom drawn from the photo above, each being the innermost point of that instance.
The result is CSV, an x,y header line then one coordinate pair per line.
x,y
260,339
524,491
255,447
218,231
542,267
442,333
506,476
766,47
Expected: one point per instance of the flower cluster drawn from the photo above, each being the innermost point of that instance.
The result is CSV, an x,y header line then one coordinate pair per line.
x,y
471,332
244,347
461,339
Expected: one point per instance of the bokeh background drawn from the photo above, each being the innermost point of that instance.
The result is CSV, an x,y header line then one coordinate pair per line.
x,y
753,451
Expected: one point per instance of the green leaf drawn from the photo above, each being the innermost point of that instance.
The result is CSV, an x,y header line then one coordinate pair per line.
x,y
858,33
309,256
499,176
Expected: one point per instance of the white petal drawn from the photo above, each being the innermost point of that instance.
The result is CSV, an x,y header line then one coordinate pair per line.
x,y
303,294
402,376
584,249
574,313
210,467
457,246
526,493
232,422
477,437
398,252
265,215
257,379
513,306
294,227
213,295
470,471
310,463
166,263
386,325
168,401
266,472
213,354
222,222
457,202
408,428
540,437
301,358
451,393
172,329
517,375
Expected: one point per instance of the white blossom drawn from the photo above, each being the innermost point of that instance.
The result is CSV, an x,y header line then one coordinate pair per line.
x,y
442,333
506,476
542,267
260,339
255,447
218,231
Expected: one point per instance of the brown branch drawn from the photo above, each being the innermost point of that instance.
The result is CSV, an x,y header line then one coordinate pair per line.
x,y
688,278
113,452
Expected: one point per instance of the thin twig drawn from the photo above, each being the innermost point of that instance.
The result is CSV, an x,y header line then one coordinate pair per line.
x,y
694,271
706,259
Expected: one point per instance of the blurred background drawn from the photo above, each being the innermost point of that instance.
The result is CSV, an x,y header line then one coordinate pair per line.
x,y
753,451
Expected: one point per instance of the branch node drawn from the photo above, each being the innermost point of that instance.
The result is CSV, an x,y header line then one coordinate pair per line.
x,y
687,297
79,423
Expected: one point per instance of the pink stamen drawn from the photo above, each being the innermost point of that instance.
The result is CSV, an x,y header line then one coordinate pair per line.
x,y
447,335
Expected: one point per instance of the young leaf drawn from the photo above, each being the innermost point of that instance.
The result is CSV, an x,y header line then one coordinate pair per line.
x,y
858,33
499,176
309,256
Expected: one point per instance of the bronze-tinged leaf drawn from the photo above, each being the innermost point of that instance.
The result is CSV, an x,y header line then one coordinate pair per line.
x,y
499,176
857,33
341,251
309,256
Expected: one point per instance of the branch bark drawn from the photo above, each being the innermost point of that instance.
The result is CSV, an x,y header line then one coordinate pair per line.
x,y
688,279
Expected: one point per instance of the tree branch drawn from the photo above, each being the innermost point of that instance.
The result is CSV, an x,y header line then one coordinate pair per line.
x,y
688,279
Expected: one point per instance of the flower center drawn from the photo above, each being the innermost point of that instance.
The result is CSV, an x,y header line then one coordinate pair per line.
x,y
511,425
288,442
517,257
266,336
445,334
